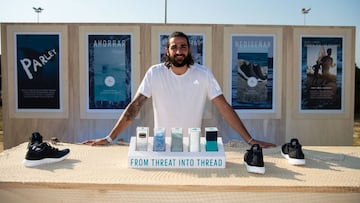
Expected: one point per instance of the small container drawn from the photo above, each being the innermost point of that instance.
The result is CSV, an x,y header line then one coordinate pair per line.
x,y
176,140
159,140
211,134
194,139
142,134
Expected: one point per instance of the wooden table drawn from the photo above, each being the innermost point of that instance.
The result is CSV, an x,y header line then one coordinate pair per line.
x,y
102,174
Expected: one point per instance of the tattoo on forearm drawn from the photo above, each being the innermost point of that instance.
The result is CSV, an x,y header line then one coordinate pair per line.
x,y
134,108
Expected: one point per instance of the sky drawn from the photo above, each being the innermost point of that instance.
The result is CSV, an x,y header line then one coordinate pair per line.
x,y
255,12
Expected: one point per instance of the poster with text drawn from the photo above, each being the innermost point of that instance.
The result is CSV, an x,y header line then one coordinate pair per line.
x,y
37,71
109,70
196,45
252,72
321,73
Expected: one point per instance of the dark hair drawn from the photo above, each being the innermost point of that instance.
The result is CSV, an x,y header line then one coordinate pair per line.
x,y
166,58
328,51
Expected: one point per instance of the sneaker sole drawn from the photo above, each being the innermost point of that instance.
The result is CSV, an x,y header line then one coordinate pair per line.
x,y
293,161
32,163
254,169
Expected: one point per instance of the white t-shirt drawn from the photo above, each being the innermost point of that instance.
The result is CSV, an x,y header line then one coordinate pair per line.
x,y
179,100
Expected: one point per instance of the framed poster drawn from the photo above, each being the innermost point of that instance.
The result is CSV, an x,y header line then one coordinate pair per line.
x,y
200,38
253,72
108,71
323,62
39,74
37,71
321,73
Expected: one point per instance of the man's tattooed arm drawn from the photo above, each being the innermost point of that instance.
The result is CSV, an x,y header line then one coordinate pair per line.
x,y
134,107
129,114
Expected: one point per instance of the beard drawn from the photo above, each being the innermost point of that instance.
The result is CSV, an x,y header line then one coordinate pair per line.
x,y
180,63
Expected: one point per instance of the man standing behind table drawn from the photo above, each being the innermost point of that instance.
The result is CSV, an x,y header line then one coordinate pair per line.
x,y
179,89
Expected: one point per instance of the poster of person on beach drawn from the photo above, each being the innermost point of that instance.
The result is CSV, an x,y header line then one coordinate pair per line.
x,y
321,73
196,45
38,71
109,70
252,72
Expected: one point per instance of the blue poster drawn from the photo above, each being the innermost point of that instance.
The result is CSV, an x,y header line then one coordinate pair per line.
x,y
38,71
196,46
321,73
252,70
109,59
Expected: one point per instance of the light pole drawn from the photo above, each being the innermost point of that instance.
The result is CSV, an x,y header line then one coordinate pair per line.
x,y
38,10
305,11
165,11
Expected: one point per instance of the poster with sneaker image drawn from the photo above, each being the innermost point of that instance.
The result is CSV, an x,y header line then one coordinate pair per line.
x,y
252,72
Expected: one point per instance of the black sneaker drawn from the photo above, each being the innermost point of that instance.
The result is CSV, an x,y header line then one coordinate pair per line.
x,y
245,70
293,153
44,153
35,138
258,72
254,160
